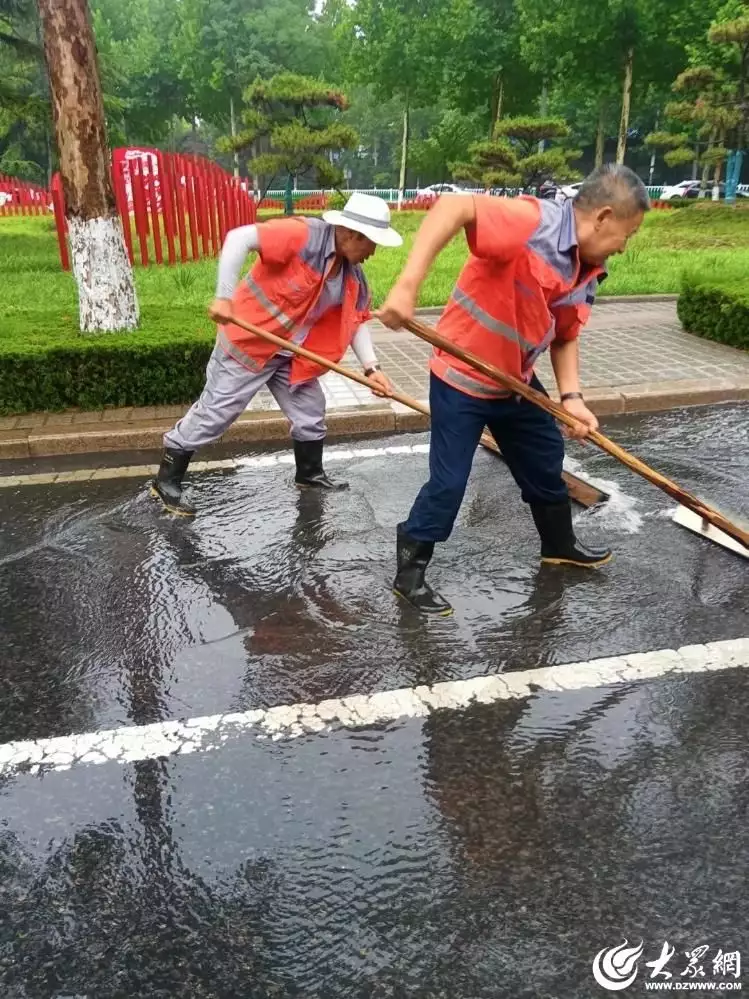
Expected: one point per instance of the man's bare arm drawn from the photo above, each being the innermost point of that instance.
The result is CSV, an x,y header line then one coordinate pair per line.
x,y
448,216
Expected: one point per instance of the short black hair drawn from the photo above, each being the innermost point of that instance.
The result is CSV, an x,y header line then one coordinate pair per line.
x,y
615,185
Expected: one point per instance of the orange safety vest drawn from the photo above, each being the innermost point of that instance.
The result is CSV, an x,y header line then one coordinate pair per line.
x,y
518,292
294,261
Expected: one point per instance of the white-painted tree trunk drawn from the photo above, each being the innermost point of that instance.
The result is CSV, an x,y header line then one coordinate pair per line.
x,y
106,294
106,291
543,110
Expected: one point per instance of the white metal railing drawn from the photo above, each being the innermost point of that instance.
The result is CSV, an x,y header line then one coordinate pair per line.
x,y
391,193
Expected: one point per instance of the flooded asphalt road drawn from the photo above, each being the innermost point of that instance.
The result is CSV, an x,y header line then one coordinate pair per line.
x,y
485,852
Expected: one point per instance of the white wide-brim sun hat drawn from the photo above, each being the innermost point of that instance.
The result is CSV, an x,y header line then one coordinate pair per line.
x,y
368,215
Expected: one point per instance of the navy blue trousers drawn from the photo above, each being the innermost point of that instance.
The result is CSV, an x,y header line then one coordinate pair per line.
x,y
529,438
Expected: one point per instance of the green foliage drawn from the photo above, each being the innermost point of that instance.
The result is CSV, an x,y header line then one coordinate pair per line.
x,y
291,88
447,142
132,369
679,157
717,313
285,119
666,140
695,78
714,155
531,130
512,160
730,32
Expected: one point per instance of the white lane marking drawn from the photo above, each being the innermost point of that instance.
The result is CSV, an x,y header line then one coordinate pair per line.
x,y
289,721
146,471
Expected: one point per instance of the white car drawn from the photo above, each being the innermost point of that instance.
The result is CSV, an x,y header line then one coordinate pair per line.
x,y
684,189
691,189
437,189
567,191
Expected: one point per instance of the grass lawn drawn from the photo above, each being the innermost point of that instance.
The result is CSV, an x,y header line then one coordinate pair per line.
x,y
39,310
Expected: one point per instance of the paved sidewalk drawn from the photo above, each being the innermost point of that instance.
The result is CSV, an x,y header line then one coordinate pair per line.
x,y
634,357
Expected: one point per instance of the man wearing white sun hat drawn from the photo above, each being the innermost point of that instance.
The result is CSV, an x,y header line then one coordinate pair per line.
x,y
307,286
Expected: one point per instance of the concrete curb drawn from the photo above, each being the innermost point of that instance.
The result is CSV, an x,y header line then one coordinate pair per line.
x,y
634,299
387,418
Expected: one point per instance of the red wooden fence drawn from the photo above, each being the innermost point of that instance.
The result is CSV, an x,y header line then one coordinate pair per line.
x,y
19,197
173,207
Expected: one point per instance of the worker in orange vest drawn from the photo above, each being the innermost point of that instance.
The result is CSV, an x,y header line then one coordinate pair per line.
x,y
528,285
306,286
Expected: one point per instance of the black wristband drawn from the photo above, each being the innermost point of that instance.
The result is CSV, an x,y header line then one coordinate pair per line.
x,y
571,395
371,370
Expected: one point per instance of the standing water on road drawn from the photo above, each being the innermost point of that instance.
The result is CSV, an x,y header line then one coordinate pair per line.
x,y
485,852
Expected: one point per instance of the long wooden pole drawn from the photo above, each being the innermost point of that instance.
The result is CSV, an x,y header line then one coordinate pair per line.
x,y
706,512
581,491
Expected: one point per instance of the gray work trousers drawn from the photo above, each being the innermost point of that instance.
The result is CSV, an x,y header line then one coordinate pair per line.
x,y
229,387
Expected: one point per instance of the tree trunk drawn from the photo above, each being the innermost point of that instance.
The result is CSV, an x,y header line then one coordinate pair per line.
x,y
106,292
48,153
600,135
706,169
233,120
543,109
652,155
716,175
497,98
404,158
696,161
621,147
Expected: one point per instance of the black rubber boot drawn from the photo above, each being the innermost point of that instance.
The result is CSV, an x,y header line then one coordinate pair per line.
x,y
309,471
413,559
167,486
559,546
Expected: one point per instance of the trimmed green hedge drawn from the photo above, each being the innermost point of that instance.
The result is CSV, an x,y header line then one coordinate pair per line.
x,y
715,313
123,369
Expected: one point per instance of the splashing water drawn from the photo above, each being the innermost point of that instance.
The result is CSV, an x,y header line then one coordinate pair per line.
x,y
619,512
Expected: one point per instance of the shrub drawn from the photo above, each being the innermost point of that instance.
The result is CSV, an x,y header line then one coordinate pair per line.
x,y
336,201
124,369
716,313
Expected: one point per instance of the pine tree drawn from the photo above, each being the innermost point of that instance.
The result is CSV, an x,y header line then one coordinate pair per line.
x,y
288,130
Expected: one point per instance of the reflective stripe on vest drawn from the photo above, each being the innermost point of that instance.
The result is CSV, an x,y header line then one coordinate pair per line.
x,y
236,352
273,310
532,356
460,380
488,322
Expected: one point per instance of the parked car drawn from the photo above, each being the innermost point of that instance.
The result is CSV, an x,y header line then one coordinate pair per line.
x,y
567,191
691,189
684,189
428,195
437,189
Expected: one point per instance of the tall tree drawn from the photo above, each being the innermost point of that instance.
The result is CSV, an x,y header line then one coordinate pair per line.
x,y
447,143
616,43
136,46
483,64
399,49
106,291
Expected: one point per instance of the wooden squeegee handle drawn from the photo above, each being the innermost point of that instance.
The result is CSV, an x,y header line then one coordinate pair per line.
x,y
518,387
